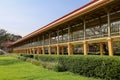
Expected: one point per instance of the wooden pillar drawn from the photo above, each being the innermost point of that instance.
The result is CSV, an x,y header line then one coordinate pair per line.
x,y
38,50
101,48
84,22
109,24
100,24
110,47
57,36
49,39
55,50
30,51
58,50
49,50
62,50
69,34
27,51
85,48
84,42
43,43
62,36
33,50
43,50
70,49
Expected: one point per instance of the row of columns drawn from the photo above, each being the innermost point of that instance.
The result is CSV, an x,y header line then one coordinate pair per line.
x,y
41,50
70,49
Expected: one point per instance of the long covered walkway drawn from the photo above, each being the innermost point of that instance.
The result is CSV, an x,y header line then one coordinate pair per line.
x,y
96,23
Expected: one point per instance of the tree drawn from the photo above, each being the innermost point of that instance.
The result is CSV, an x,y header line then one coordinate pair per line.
x,y
2,35
12,37
5,36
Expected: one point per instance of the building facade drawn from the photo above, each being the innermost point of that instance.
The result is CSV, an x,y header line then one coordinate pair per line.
x,y
97,22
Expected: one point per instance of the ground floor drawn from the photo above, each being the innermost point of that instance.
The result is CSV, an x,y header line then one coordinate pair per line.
x,y
108,45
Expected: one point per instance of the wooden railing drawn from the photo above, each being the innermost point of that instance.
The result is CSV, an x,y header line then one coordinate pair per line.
x,y
91,33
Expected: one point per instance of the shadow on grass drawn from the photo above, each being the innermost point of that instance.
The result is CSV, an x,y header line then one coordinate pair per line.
x,y
9,62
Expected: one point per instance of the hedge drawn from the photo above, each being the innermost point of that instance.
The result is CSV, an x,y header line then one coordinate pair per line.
x,y
103,67
93,66
47,58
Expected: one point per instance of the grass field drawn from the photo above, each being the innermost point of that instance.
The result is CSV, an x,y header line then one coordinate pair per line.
x,y
14,69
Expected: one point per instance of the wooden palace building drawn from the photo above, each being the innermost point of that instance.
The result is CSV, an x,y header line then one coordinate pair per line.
x,y
95,25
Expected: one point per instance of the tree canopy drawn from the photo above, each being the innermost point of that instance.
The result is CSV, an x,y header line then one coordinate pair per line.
x,y
5,36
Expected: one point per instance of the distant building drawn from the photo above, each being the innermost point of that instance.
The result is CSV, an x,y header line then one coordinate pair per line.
x,y
5,45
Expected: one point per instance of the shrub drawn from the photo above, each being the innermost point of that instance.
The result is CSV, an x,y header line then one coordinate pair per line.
x,y
27,55
22,58
93,66
47,58
103,67
58,67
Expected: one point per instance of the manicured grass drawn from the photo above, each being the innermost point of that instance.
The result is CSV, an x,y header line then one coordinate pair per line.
x,y
14,69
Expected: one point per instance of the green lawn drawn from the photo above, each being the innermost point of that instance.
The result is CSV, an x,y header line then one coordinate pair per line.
x,y
14,69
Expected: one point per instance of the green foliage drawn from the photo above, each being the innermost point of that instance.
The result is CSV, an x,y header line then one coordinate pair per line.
x,y
47,58
13,69
27,56
93,66
103,67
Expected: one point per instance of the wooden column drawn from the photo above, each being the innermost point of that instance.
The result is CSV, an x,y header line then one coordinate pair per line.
x,y
70,49
85,48
110,47
33,50
49,39
69,34
62,36
62,50
55,50
85,43
49,50
29,51
58,50
43,50
57,36
109,24
38,50
84,22
43,41
100,24
101,48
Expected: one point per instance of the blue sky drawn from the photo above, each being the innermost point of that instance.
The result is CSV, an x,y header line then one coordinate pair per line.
x,y
25,16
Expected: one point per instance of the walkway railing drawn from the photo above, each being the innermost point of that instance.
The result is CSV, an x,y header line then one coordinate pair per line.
x,y
91,33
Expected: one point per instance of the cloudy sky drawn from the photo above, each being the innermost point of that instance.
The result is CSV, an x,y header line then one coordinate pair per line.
x,y
25,16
